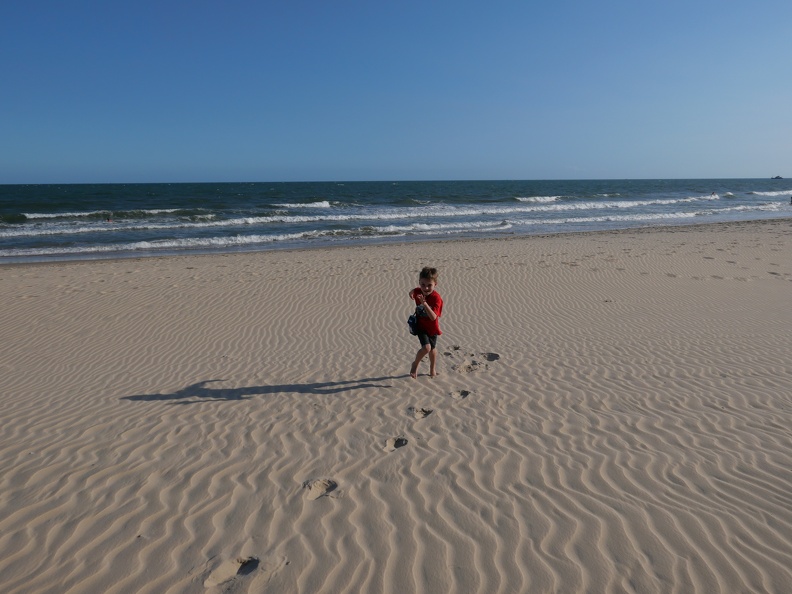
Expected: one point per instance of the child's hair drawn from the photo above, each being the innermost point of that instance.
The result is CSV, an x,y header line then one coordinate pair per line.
x,y
429,273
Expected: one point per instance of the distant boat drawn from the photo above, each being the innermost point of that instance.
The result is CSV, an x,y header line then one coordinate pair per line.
x,y
777,177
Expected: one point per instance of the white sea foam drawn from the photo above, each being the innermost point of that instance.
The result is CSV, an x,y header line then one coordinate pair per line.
x,y
249,240
778,193
370,232
766,207
40,232
64,215
389,214
166,244
320,204
93,213
441,227
538,199
457,211
27,231
636,218
159,210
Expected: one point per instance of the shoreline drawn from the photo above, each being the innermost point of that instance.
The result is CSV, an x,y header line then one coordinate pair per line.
x,y
612,412
395,243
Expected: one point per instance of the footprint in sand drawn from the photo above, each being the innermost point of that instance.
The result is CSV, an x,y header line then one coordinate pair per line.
x,y
455,348
230,569
471,366
420,413
394,443
318,487
460,394
471,362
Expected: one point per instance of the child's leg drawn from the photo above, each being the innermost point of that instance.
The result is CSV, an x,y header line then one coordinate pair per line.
x,y
433,362
426,348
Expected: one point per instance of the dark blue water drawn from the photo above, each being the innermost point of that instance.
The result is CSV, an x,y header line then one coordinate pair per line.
x,y
42,222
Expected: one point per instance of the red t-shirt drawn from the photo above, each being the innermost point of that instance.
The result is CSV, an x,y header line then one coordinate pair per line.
x,y
426,325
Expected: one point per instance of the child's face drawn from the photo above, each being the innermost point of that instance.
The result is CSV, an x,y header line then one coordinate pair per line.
x,y
427,286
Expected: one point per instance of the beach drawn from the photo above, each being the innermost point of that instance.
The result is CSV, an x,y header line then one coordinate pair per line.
x,y
612,414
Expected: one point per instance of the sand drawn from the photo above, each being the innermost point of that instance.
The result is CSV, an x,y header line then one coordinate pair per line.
x,y
612,414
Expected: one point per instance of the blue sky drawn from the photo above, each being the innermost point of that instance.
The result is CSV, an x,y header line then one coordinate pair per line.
x,y
294,90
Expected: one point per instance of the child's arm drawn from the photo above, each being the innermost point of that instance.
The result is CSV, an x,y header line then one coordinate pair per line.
x,y
419,299
429,311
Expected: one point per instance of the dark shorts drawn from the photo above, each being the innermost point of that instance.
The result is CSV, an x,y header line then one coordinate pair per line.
x,y
426,339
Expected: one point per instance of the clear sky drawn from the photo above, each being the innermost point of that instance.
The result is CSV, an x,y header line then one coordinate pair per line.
x,y
293,90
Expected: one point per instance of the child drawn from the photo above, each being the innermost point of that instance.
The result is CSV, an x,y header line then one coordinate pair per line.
x,y
428,311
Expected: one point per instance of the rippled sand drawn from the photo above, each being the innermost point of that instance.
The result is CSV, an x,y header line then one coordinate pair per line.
x,y
613,414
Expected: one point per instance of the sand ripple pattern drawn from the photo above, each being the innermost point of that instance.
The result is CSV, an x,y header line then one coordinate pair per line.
x,y
209,424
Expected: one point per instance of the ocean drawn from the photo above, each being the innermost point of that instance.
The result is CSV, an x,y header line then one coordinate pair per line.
x,y
86,221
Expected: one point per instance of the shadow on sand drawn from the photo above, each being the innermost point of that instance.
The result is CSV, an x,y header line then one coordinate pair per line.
x,y
201,392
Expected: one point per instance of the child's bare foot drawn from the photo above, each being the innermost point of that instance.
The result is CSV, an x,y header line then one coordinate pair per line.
x,y
414,370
